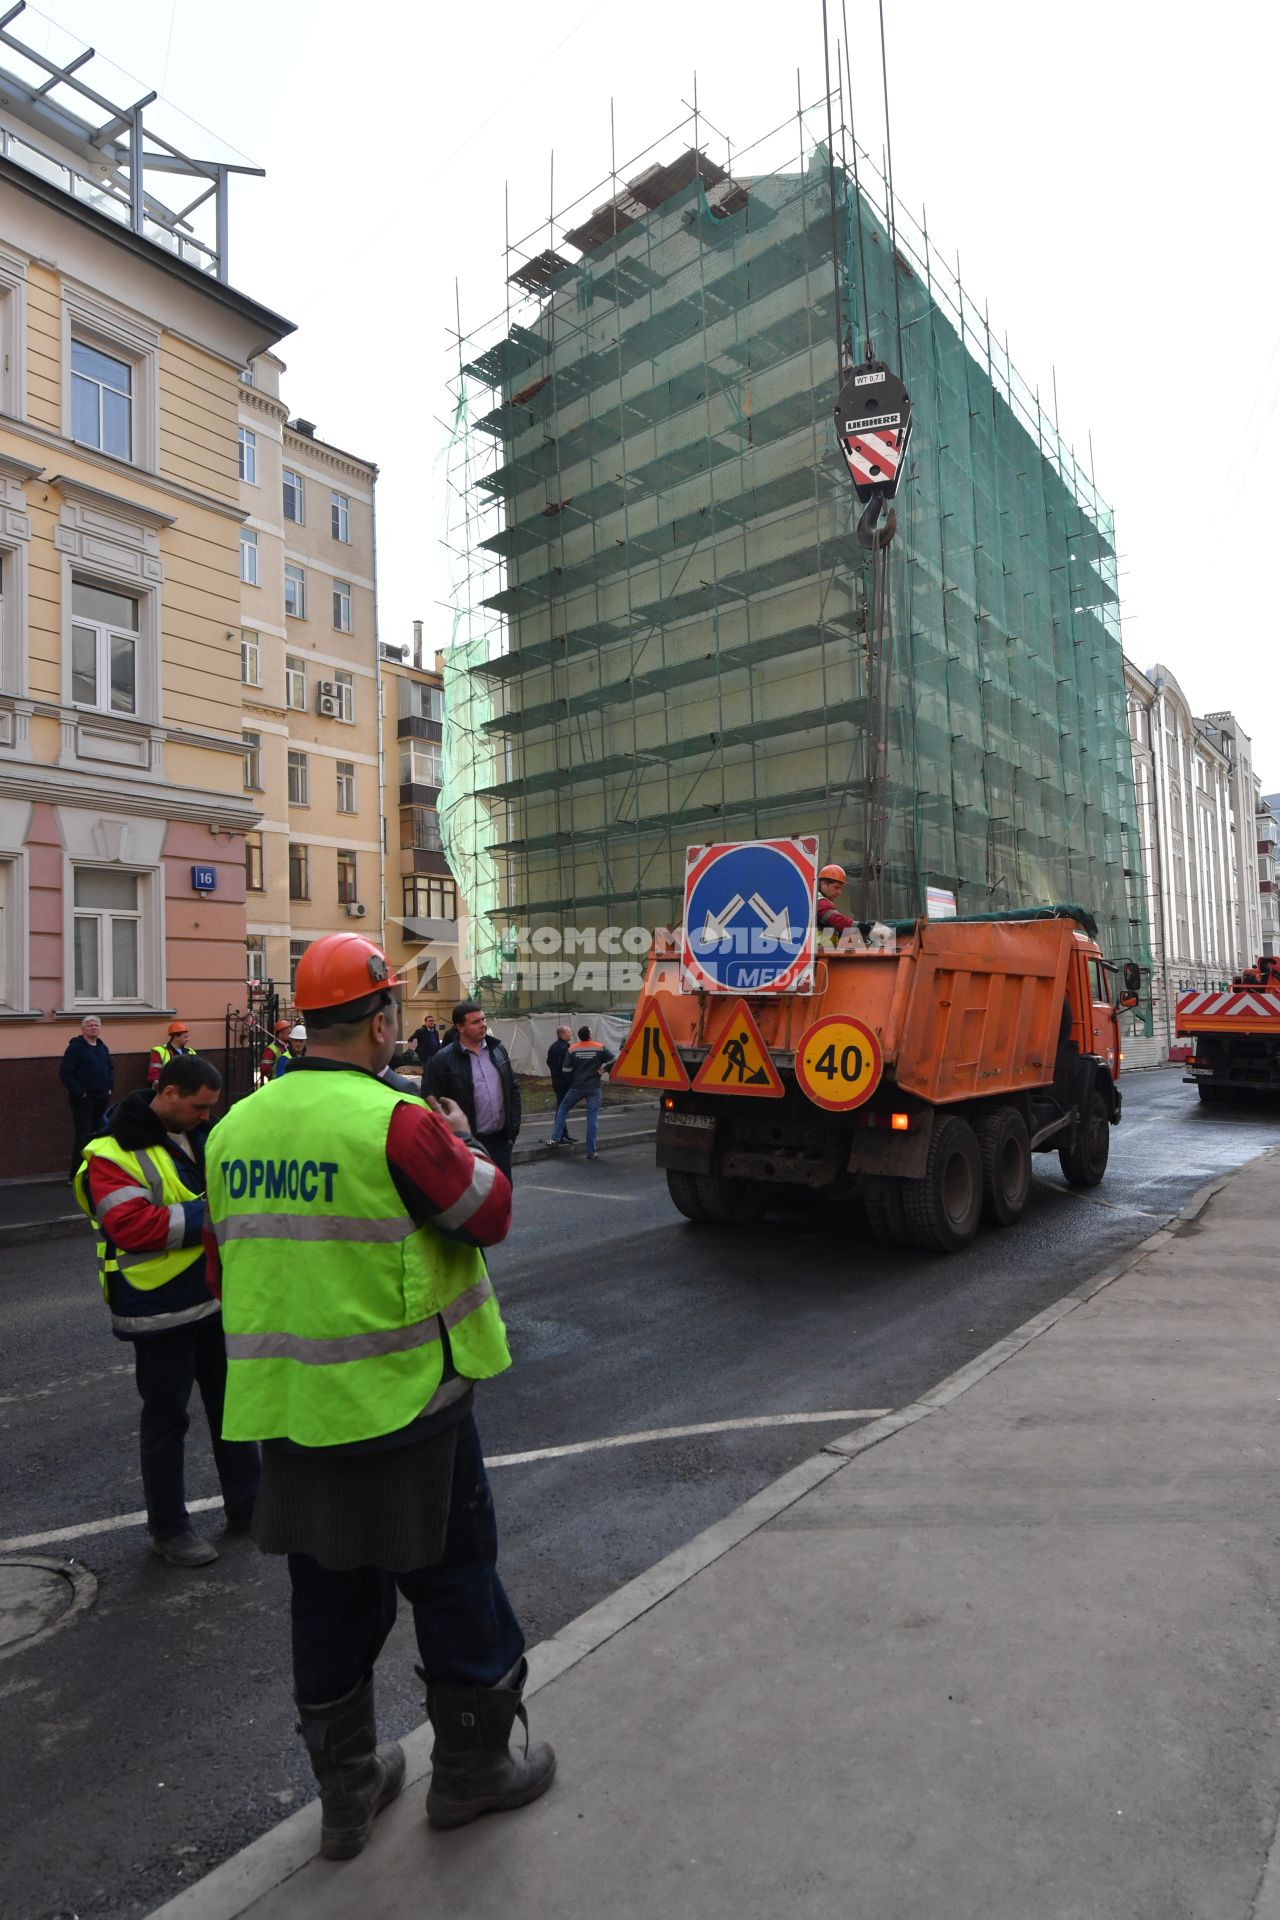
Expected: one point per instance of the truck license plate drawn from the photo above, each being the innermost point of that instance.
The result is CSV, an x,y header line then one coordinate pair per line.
x,y
704,1121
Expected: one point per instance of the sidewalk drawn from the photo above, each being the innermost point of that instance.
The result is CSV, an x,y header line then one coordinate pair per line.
x,y
46,1210
1010,1654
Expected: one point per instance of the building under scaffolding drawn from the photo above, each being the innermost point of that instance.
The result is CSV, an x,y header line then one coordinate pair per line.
x,y
661,613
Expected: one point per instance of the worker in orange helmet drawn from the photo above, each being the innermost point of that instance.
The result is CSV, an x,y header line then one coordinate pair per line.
x,y
345,1232
275,1050
831,880
177,1041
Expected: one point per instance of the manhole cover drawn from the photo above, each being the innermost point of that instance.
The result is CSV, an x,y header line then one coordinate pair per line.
x,y
37,1597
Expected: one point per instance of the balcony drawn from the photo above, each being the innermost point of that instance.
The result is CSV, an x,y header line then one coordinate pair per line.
x,y
411,726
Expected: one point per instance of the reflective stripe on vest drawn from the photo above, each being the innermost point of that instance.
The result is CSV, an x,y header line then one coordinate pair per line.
x,y
341,1342
157,1180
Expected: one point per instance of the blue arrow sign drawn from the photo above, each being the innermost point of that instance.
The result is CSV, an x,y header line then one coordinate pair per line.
x,y
748,916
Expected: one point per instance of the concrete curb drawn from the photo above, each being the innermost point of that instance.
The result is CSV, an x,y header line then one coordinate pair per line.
x,y
229,1891
21,1233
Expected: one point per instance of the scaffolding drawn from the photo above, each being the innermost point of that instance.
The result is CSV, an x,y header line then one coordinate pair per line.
x,y
661,610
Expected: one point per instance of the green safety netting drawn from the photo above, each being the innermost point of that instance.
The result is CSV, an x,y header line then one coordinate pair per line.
x,y
661,609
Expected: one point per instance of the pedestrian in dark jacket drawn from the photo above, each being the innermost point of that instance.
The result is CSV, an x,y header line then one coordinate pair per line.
x,y
588,1062
87,1073
475,1070
561,1078
143,1186
425,1041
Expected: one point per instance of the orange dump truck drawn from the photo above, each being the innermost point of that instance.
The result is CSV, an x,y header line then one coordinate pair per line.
x,y
1236,1031
924,1071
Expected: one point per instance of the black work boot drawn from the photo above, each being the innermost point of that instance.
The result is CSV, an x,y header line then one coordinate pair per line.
x,y
357,1777
473,1769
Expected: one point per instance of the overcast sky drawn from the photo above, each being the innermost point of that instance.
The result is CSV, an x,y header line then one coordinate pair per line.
x,y
1106,172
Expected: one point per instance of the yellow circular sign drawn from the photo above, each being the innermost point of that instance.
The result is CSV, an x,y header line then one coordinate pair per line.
x,y
839,1063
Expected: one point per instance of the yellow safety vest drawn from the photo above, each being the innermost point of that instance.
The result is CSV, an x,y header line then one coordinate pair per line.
x,y
134,1284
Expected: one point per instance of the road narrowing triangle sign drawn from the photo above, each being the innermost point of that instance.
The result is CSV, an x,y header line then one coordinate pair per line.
x,y
649,1057
739,1062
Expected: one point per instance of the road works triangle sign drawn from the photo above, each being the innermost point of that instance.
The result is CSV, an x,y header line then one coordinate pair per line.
x,y
649,1057
739,1062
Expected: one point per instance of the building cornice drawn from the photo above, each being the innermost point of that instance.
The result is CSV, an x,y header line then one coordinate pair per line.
x,y
20,470
43,437
73,489
263,402
61,787
351,463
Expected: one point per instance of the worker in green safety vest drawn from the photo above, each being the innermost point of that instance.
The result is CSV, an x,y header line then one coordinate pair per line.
x,y
346,1221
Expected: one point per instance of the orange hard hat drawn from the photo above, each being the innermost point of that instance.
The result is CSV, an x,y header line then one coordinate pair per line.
x,y
283,1026
833,872
177,1026
339,969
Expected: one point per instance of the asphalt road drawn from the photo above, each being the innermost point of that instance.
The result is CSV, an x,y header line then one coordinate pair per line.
x,y
154,1736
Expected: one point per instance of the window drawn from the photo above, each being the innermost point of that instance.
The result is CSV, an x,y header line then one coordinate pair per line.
x,y
346,786
246,375
295,592
101,400
342,606
340,517
295,682
252,761
346,685
420,764
249,556
420,703
347,890
420,828
106,934
250,658
430,897
299,885
1098,983
253,880
299,779
248,456
293,496
296,950
104,648
255,960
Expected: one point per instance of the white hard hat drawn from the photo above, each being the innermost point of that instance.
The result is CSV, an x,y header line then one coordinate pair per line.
x,y
298,1033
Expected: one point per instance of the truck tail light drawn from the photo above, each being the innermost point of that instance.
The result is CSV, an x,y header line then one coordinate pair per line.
x,y
890,1122
668,1103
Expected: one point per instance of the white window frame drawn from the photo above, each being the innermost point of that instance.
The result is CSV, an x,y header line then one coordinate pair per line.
x,y
126,336
295,682
255,835
303,848
13,335
105,632
348,862
347,786
299,778
346,685
412,749
14,916
150,921
250,657
255,960
252,742
299,492
342,606
295,577
412,698
340,517
247,455
13,617
248,557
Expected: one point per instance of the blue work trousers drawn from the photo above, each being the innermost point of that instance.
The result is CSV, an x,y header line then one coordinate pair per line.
x,y
592,1097
467,1634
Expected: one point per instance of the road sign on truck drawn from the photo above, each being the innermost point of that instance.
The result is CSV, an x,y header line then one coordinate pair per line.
x,y
748,917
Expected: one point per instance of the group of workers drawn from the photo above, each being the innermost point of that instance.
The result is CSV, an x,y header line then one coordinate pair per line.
x,y
314,1264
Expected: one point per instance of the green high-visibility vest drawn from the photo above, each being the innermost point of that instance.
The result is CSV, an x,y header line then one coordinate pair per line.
x,y
333,1299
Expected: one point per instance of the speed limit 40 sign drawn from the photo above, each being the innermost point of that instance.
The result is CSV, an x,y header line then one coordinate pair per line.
x,y
839,1063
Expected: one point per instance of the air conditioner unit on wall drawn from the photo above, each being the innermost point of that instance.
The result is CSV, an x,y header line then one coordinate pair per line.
x,y
328,706
356,910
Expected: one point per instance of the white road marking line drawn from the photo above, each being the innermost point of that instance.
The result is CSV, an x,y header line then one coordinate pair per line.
x,y
24,1541
575,1193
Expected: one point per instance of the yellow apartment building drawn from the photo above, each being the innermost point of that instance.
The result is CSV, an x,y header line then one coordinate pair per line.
x,y
425,930
309,672
123,806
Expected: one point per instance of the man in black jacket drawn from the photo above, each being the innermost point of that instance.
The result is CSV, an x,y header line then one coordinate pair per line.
x,y
475,1070
89,1077
558,1068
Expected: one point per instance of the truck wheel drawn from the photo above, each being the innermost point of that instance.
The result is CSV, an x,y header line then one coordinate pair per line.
x,y
883,1200
683,1188
944,1208
1084,1164
1213,1096
1005,1147
716,1197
